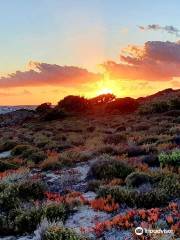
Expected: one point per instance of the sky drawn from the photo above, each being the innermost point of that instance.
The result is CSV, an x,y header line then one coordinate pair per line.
x,y
50,49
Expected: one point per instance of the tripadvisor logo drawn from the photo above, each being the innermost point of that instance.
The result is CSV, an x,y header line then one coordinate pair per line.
x,y
139,231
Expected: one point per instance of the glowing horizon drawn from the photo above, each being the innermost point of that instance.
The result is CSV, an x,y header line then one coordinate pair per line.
x,y
87,48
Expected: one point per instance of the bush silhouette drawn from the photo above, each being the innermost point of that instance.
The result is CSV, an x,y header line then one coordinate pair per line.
x,y
44,107
124,105
73,104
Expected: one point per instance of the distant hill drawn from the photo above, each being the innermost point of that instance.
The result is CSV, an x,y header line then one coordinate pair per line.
x,y
7,109
163,95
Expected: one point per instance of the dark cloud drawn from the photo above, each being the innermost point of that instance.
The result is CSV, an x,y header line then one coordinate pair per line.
x,y
155,61
44,74
169,29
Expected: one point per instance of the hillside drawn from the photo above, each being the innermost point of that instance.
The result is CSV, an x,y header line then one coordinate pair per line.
x,y
96,173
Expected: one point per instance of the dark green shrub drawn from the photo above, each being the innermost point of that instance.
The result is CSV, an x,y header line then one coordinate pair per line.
x,y
119,194
20,221
155,107
26,221
123,106
171,185
54,114
108,149
43,108
107,168
56,212
31,190
19,149
29,152
3,186
134,198
136,179
9,199
8,145
6,165
175,104
34,155
94,185
114,139
67,158
160,107
73,104
12,195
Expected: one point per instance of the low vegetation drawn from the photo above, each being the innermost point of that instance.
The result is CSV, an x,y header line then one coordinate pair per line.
x,y
125,152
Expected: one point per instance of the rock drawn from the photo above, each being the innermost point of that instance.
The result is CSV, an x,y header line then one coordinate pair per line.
x,y
5,154
85,217
115,234
90,195
71,179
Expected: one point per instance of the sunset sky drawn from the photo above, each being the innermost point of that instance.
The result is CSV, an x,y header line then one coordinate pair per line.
x,y
53,48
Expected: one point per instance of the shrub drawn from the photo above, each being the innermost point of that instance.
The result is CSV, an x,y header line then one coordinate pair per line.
x,y
175,104
9,199
41,140
155,107
136,179
160,107
6,165
8,145
56,212
26,221
34,155
43,108
70,157
19,149
12,195
114,139
51,165
54,114
124,105
29,152
107,168
31,190
134,198
171,158
108,149
73,104
171,185
61,233
94,185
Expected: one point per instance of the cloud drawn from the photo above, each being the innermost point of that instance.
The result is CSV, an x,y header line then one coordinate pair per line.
x,y
43,74
154,61
9,94
156,27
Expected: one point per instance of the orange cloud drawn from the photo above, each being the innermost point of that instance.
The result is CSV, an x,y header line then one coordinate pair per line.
x,y
43,74
155,61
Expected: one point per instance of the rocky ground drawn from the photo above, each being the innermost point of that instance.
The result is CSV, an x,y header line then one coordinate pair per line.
x,y
75,179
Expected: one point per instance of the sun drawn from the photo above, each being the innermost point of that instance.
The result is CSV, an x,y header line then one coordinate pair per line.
x,y
104,91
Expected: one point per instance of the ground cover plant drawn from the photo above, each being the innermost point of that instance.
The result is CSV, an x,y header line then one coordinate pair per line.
x,y
81,175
